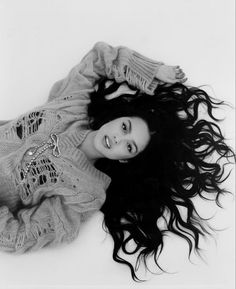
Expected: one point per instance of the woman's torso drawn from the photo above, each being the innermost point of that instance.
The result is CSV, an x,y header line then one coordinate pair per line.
x,y
39,156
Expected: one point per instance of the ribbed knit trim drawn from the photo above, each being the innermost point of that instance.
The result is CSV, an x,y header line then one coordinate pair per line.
x,y
69,144
144,69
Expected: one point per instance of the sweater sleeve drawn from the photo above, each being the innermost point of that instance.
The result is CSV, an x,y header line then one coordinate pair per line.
x,y
118,63
56,220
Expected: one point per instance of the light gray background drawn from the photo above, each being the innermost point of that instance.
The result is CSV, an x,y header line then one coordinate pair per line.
x,y
40,40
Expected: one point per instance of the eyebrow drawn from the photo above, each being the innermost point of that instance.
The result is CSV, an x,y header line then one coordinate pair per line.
x,y
130,129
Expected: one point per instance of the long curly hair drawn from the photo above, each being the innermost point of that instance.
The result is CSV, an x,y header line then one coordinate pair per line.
x,y
176,166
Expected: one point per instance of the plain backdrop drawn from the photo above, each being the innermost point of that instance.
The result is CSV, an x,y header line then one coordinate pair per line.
x,y
40,41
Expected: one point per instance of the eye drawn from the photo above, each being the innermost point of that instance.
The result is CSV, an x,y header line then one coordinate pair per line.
x,y
129,148
124,127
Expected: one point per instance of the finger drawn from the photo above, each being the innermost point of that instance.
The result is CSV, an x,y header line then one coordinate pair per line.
x,y
180,75
178,71
111,96
171,80
177,68
123,89
183,80
108,83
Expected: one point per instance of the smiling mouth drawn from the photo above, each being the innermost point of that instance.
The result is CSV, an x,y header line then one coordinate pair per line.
x,y
107,142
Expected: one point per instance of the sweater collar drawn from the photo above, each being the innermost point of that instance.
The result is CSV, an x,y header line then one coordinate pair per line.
x,y
70,142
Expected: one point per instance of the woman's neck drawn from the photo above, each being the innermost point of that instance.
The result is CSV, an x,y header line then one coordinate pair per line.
x,y
87,147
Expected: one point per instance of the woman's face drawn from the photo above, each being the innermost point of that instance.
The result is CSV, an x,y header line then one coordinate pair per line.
x,y
122,138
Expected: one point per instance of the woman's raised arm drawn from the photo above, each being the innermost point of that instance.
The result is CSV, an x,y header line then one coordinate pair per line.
x,y
117,63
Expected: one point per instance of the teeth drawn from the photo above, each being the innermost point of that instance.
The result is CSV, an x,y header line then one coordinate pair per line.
x,y
107,142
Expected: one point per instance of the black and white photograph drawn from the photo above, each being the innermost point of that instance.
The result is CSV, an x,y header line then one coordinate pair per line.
x,y
117,144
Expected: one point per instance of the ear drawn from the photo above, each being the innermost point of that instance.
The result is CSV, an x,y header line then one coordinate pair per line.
x,y
123,161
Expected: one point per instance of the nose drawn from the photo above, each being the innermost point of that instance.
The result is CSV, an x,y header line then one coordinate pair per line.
x,y
116,140
119,139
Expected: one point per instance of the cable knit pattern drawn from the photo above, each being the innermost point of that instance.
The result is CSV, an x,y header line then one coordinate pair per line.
x,y
47,185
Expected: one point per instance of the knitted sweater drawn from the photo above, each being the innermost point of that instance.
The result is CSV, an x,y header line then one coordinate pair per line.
x,y
48,187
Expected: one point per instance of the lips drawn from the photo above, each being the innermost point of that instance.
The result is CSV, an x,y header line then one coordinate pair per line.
x,y
107,142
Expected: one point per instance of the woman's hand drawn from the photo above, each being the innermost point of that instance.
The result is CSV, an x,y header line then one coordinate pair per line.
x,y
123,89
171,74
166,74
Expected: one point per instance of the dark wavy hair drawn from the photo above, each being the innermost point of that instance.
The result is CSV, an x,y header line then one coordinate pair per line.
x,y
163,179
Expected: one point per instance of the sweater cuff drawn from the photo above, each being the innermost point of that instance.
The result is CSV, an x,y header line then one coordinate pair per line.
x,y
141,72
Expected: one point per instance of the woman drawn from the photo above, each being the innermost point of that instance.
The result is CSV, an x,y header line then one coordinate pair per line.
x,y
58,160
152,193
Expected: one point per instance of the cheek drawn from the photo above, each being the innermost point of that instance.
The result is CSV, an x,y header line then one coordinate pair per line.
x,y
97,140
104,130
122,152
